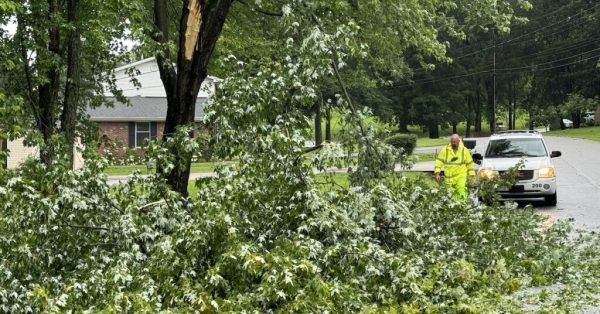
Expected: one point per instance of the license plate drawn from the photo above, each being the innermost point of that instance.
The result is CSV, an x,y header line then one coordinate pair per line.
x,y
517,189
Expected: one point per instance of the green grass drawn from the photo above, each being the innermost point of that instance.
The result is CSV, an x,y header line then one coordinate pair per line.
x,y
428,142
339,181
588,133
200,167
423,157
126,170
337,126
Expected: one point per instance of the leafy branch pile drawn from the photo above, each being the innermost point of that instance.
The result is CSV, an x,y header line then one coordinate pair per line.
x,y
264,236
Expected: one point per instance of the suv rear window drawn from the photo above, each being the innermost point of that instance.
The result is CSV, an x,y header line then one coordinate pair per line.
x,y
518,147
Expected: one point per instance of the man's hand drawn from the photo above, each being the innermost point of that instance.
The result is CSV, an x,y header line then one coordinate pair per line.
x,y
437,177
471,180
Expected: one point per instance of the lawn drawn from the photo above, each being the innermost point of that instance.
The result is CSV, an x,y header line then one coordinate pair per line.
x,y
428,142
338,180
199,167
588,133
423,157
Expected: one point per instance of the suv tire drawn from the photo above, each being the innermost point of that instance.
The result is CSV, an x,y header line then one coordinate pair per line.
x,y
550,200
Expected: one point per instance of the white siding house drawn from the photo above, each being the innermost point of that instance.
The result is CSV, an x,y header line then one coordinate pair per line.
x,y
147,75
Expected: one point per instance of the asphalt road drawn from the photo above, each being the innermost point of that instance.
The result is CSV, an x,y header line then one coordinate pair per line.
x,y
578,182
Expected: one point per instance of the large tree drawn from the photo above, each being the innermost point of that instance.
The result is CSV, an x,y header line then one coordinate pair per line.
x,y
186,37
56,61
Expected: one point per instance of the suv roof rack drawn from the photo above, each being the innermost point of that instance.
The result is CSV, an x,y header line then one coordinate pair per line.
x,y
518,132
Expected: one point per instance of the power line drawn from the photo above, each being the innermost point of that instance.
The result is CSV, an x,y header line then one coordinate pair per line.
x,y
562,30
566,20
549,62
556,50
503,71
561,65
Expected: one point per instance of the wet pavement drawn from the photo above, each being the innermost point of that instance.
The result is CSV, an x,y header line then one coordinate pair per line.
x,y
578,182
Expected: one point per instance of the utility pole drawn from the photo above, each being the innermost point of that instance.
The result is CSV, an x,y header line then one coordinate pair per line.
x,y
493,117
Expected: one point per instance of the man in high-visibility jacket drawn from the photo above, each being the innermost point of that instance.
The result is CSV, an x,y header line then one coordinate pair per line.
x,y
457,163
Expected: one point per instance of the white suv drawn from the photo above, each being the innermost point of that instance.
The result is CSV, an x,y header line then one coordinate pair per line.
x,y
537,177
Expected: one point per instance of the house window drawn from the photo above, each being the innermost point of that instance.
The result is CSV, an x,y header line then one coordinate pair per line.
x,y
142,132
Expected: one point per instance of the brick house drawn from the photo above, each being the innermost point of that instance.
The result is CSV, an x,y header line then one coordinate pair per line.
x,y
18,152
128,125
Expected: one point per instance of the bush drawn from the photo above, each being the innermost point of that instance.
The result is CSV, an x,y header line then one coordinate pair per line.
x,y
406,142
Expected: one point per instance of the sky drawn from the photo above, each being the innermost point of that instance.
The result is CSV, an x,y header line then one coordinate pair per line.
x,y
11,28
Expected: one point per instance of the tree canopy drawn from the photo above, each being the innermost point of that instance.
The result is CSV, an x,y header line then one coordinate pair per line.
x,y
266,233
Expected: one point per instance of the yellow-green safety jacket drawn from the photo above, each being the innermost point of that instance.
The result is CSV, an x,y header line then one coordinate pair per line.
x,y
455,164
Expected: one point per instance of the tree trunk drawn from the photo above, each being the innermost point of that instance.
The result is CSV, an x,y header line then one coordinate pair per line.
x,y
434,130
514,105
530,112
510,105
454,130
48,91
469,110
199,29
402,124
318,131
490,101
328,123
69,113
477,107
4,153
403,119
576,117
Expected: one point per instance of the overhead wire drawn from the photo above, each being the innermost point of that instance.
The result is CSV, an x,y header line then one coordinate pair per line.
x,y
569,19
549,62
500,71
549,51
555,50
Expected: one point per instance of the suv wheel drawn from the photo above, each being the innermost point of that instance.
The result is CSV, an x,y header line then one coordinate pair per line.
x,y
550,199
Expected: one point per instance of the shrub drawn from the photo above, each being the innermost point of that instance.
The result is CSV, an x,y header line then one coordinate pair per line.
x,y
406,142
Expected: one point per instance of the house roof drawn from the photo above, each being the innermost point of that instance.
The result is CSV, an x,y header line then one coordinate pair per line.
x,y
153,61
140,109
145,81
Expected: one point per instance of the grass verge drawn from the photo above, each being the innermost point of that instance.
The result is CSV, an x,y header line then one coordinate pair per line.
x,y
429,142
588,133
422,157
199,167
328,181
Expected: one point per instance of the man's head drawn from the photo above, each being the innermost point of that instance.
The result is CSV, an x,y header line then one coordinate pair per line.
x,y
454,140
